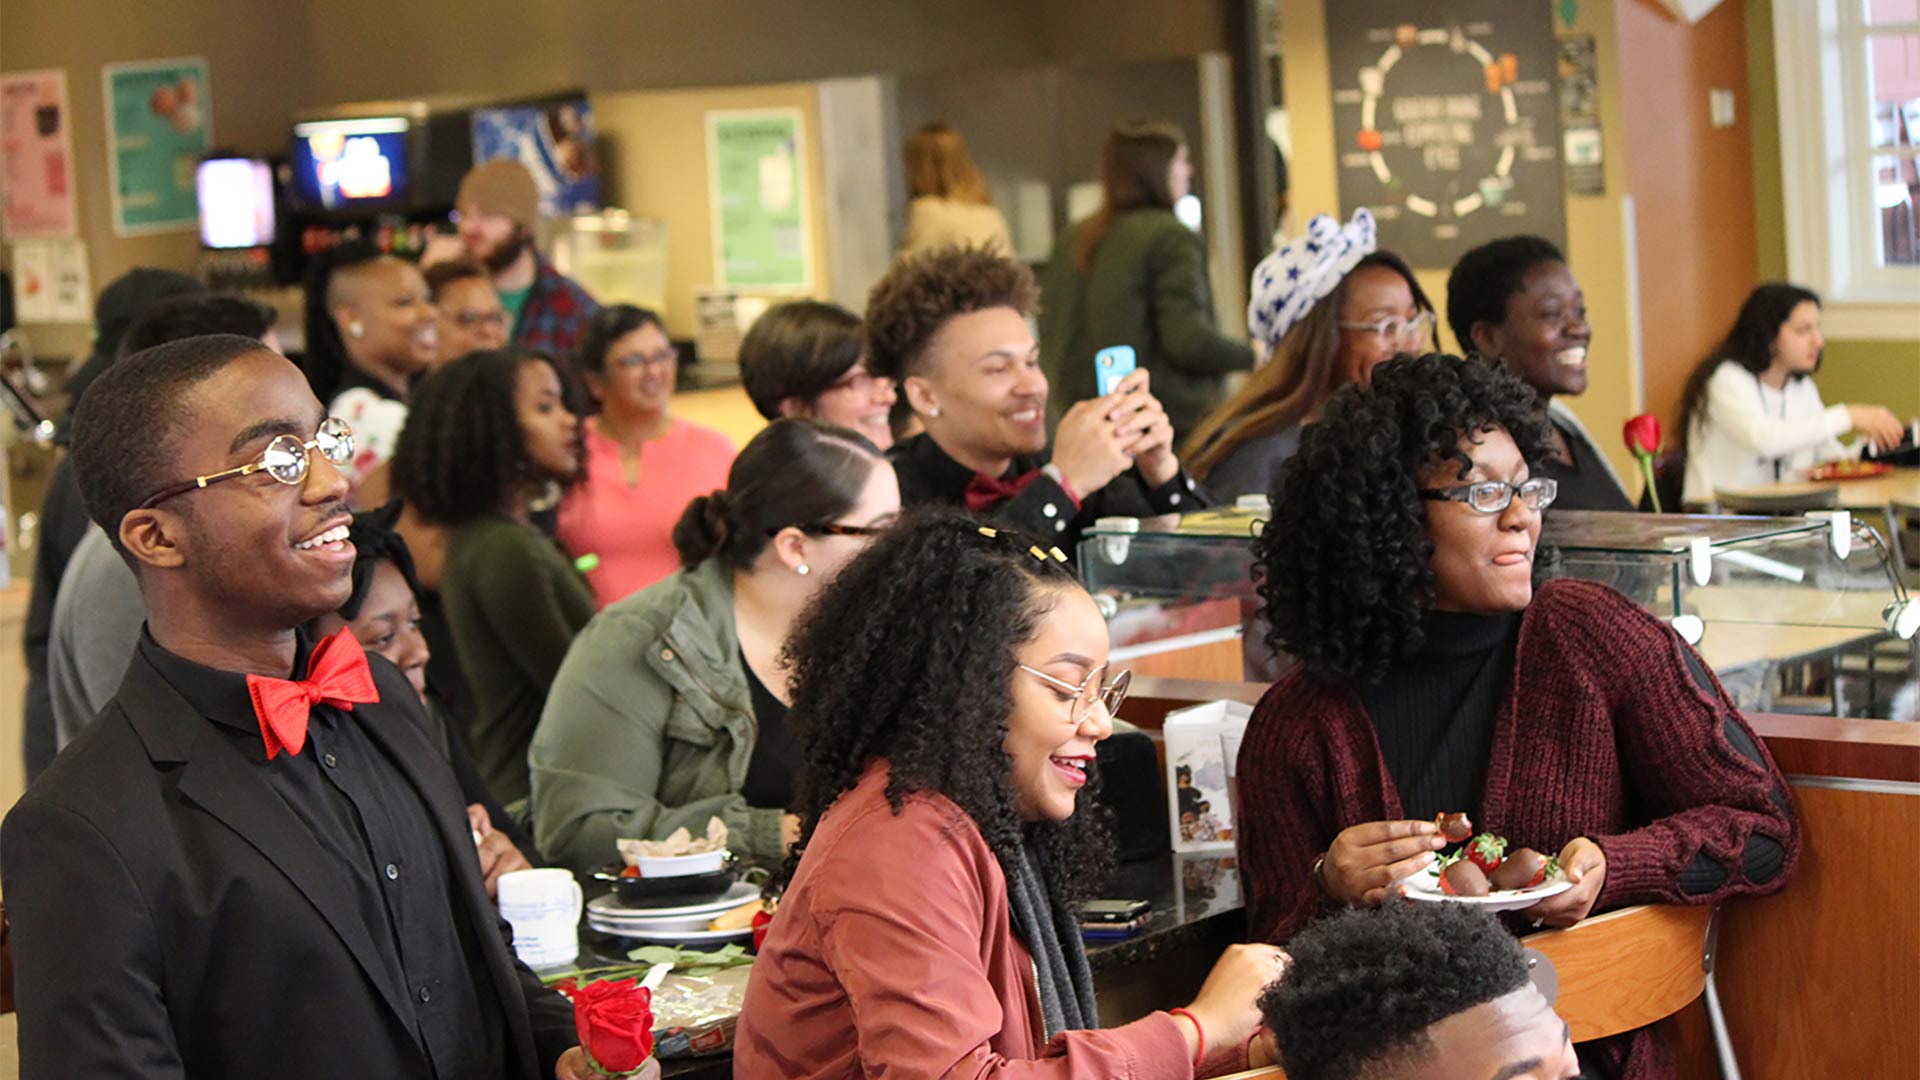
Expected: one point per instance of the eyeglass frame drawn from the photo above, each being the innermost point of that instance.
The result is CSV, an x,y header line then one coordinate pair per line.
x,y
1547,487
1112,694
1379,326
833,528
343,435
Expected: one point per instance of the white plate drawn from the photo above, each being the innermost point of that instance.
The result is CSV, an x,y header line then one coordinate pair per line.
x,y
609,908
1425,886
673,937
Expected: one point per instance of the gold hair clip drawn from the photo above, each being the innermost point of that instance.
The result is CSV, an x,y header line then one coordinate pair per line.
x,y
1037,553
988,533
1058,555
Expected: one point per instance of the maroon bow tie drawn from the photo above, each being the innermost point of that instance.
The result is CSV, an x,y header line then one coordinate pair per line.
x,y
984,492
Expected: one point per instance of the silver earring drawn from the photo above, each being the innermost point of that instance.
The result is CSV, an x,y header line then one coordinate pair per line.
x,y
935,411
357,330
803,569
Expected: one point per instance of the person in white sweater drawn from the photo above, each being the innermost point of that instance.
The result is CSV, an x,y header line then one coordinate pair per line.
x,y
950,205
1751,415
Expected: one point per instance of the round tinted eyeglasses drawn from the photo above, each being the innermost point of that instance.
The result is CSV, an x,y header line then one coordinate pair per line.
x,y
285,459
1493,496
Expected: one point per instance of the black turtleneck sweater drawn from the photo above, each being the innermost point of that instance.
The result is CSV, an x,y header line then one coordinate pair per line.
x,y
1435,711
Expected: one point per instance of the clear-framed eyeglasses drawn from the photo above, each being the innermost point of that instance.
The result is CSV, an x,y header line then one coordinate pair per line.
x,y
285,459
1494,496
1418,329
1090,690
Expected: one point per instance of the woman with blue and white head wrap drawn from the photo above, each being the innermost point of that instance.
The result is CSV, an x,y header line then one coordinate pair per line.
x,y
1328,306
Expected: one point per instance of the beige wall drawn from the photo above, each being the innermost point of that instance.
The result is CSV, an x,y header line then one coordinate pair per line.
x,y
1596,243
256,63
656,147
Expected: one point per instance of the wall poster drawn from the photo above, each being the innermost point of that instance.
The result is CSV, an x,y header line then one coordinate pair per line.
x,y
159,126
36,154
1446,123
756,184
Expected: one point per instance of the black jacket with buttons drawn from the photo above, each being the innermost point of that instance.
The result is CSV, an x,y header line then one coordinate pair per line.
x,y
1042,509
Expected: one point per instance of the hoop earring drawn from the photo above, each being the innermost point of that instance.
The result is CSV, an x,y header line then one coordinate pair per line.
x,y
803,569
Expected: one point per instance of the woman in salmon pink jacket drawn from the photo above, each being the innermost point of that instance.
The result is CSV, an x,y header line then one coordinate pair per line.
x,y
951,685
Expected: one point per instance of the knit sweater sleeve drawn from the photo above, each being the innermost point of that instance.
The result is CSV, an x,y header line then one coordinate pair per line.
x,y
1287,812
1719,812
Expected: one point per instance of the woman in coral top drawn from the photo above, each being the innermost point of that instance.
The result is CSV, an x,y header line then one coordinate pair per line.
x,y
642,466
1437,674
952,684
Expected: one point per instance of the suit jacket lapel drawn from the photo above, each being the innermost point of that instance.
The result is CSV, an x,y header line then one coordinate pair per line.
x,y
399,734
216,778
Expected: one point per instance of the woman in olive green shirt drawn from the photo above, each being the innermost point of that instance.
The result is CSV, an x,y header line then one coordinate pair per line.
x,y
484,437
671,707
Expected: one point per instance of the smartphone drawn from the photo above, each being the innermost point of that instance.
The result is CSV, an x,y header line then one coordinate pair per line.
x,y
1114,911
1112,364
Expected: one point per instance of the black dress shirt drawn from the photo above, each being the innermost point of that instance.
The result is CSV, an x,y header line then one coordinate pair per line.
x,y
1042,509
369,821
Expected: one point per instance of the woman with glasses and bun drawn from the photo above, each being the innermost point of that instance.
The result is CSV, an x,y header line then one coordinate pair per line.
x,y
952,686
1440,673
1328,308
671,708
640,463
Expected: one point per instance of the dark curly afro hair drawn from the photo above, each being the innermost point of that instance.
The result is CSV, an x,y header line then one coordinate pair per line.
x,y
462,454
1345,567
920,293
909,655
1366,984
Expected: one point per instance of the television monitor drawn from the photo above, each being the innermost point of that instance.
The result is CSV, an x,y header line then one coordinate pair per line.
x,y
350,164
236,203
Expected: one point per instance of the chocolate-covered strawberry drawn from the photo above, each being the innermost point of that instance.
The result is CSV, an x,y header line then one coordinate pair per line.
x,y
1463,878
1521,869
1486,851
1455,826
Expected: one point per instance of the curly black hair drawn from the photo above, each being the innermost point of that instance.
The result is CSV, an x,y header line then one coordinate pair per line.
x,y
919,294
909,655
461,454
1481,283
1366,984
1344,567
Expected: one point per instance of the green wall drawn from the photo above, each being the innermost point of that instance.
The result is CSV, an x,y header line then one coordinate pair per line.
x,y
1886,372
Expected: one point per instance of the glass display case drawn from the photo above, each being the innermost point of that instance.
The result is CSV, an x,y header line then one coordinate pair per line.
x,y
1793,614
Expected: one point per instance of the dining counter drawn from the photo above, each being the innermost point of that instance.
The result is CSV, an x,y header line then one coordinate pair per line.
x,y
1196,914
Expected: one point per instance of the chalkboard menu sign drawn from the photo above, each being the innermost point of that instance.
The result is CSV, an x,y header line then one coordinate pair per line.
x,y
1445,121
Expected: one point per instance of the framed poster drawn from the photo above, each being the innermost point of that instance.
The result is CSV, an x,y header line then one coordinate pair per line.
x,y
555,141
1446,122
36,152
159,126
756,186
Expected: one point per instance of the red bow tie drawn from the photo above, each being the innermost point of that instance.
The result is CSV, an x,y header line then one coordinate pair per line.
x,y
985,492
337,675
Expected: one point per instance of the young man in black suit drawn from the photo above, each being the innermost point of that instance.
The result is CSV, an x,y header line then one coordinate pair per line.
x,y
255,863
950,328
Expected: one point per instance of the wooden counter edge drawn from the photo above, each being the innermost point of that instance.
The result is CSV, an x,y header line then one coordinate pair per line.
x,y
1802,745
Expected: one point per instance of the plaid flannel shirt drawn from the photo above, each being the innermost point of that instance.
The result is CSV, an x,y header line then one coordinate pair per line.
x,y
554,315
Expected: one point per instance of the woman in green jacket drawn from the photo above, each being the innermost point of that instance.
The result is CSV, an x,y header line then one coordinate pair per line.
x,y
1133,274
671,707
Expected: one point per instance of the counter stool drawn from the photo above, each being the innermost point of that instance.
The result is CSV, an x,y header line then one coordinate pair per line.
x,y
1628,968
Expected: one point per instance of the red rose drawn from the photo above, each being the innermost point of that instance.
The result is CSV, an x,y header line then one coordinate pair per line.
x,y
615,1022
1643,435
761,922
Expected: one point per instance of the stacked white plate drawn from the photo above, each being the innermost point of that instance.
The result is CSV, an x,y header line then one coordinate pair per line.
x,y
684,924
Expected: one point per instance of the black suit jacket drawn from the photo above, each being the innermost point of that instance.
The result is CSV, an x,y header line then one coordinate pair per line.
x,y
171,917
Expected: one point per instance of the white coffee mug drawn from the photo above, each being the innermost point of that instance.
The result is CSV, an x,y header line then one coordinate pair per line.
x,y
543,907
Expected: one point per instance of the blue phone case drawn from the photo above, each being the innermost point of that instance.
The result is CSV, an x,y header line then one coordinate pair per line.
x,y
1112,364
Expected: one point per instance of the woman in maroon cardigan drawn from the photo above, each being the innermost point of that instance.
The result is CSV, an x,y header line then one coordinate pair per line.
x,y
1438,674
951,686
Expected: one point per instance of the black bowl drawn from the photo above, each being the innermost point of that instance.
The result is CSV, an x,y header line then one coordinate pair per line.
x,y
639,892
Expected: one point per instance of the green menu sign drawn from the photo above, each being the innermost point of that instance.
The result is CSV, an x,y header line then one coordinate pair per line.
x,y
756,185
159,126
